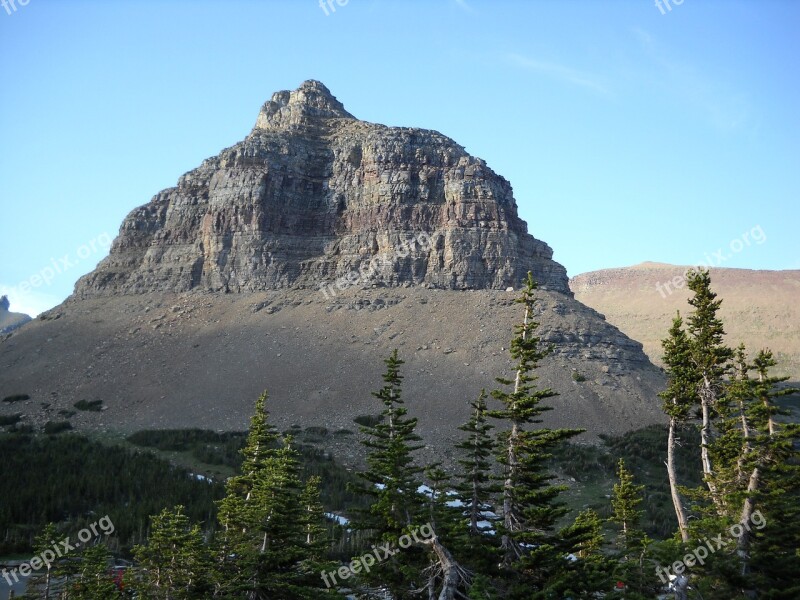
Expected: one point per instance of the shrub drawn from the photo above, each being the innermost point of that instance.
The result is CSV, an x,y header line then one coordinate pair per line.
x,y
67,413
16,398
578,377
9,419
54,427
321,431
90,405
368,420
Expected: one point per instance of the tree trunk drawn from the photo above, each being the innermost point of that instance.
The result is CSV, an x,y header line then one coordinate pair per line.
x,y
680,513
706,398
509,519
748,508
452,573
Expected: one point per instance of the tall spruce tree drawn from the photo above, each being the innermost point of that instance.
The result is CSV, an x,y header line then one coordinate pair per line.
x,y
770,513
399,507
679,398
263,551
477,490
710,358
530,500
393,481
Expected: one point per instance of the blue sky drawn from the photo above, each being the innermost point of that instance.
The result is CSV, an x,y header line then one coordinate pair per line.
x,y
628,134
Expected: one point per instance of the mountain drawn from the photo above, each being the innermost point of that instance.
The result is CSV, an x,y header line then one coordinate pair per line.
x,y
296,260
759,308
10,321
313,194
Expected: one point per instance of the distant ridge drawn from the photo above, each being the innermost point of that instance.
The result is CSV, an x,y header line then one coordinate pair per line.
x,y
759,308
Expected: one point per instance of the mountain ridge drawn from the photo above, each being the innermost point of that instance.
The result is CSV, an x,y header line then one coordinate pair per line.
x,y
759,306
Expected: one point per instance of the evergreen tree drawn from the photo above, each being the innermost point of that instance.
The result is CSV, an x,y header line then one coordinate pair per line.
x,y
174,564
93,581
587,571
769,546
41,584
393,482
637,578
477,490
530,501
393,476
263,550
710,358
398,506
679,398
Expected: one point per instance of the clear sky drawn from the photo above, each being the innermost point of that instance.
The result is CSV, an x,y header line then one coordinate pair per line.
x,y
628,134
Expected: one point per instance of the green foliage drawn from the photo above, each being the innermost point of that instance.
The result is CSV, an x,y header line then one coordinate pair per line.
x,y
269,525
10,419
174,563
92,579
54,427
578,377
477,490
392,480
531,506
89,405
68,478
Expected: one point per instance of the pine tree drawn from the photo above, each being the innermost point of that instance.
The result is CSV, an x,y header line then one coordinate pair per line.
x,y
393,476
393,481
587,571
530,501
42,583
263,551
679,398
93,582
632,543
768,545
710,358
477,490
313,519
476,487
174,563
398,506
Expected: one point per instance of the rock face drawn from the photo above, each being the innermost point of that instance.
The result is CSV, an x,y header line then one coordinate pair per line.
x,y
313,195
10,321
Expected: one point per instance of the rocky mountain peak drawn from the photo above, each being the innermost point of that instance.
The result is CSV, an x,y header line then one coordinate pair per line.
x,y
315,198
311,101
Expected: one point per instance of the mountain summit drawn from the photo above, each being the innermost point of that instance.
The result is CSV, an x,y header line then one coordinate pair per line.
x,y
312,100
313,195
